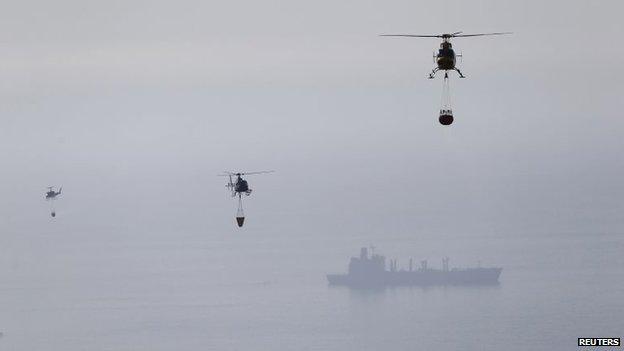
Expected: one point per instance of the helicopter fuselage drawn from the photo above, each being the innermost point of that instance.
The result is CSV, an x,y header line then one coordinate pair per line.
x,y
51,194
446,57
241,186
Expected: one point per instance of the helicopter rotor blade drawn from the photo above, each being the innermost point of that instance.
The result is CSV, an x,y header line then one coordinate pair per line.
x,y
259,172
410,35
228,173
451,35
480,34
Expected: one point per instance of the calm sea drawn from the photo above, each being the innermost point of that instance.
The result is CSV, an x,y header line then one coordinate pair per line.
x,y
67,287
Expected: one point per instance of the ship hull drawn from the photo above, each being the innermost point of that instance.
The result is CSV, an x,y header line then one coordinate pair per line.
x,y
471,276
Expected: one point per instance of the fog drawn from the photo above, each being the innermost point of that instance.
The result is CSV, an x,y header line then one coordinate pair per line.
x,y
134,107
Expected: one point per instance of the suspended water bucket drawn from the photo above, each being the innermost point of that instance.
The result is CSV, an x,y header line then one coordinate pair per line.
x,y
446,112
240,221
240,215
53,214
446,117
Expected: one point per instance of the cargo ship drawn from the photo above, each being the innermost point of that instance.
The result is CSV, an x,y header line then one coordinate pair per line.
x,y
369,271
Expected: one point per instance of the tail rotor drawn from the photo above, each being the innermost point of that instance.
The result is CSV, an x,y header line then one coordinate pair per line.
x,y
230,185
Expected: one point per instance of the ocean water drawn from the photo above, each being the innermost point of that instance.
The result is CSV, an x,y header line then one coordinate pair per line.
x,y
105,287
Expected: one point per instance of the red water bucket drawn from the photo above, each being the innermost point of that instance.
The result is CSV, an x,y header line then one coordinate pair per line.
x,y
446,119
240,221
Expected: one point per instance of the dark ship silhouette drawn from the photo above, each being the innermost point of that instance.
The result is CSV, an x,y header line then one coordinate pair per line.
x,y
370,272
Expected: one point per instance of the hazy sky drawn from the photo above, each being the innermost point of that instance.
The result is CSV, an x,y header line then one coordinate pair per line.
x,y
134,106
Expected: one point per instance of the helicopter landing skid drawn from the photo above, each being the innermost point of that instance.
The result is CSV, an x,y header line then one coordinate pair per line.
x,y
433,72
460,74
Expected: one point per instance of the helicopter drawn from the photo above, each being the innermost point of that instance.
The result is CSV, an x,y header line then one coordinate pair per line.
x,y
445,58
239,186
51,196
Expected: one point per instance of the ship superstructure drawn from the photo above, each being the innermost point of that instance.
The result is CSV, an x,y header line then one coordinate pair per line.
x,y
370,271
